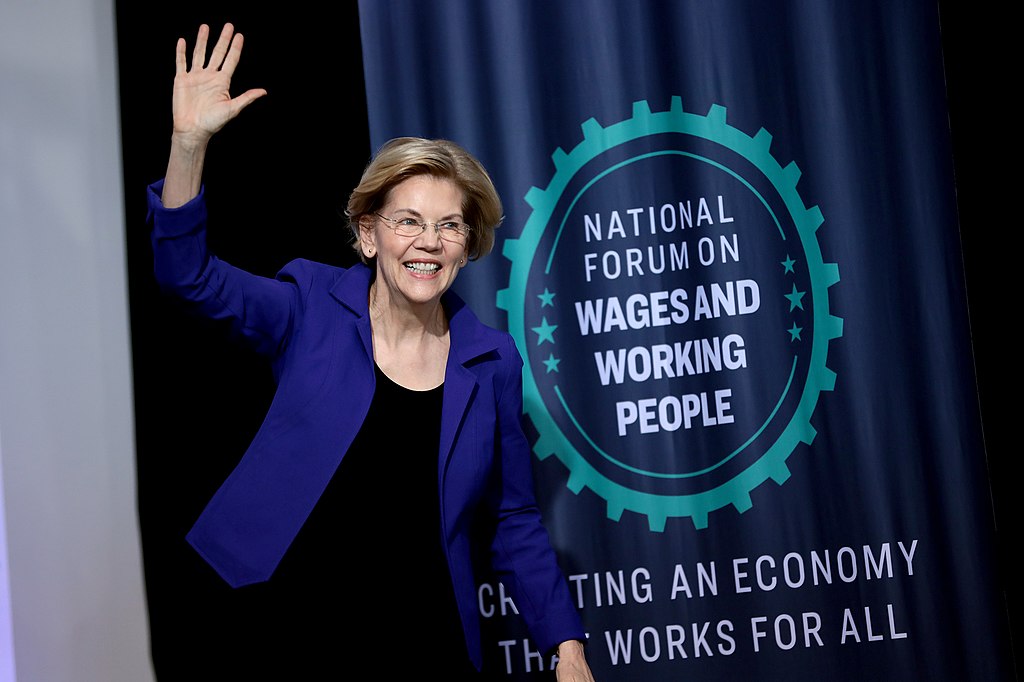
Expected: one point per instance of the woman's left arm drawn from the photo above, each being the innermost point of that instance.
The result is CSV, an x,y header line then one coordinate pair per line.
x,y
523,556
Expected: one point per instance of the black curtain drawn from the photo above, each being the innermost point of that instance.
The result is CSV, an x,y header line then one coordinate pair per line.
x,y
277,179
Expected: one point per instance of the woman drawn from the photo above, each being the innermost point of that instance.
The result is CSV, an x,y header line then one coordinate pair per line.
x,y
387,386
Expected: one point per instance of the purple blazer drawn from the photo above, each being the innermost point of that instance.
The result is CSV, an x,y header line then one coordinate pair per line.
x,y
312,322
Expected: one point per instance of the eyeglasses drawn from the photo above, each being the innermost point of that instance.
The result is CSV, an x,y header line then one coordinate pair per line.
x,y
448,230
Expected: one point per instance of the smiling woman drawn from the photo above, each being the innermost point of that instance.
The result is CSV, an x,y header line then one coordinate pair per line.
x,y
356,352
412,273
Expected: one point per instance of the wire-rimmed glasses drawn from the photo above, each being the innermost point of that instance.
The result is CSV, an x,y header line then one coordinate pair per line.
x,y
448,230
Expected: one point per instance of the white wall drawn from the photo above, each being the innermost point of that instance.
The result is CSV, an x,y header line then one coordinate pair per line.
x,y
76,608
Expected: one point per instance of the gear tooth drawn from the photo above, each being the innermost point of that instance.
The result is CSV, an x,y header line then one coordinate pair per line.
x,y
615,510
676,107
814,218
543,447
656,522
502,299
763,140
700,519
835,327
809,432
780,473
641,109
792,173
534,197
576,483
717,113
830,273
827,380
591,128
559,158
742,501
509,248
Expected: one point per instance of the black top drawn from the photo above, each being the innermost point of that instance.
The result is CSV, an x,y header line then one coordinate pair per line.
x,y
366,582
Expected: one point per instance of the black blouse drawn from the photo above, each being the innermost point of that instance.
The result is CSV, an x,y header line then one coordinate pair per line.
x,y
366,577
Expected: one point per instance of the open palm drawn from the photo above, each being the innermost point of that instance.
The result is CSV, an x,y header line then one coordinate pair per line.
x,y
202,102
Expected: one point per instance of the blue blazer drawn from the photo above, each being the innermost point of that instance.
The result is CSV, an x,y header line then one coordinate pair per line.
x,y
312,322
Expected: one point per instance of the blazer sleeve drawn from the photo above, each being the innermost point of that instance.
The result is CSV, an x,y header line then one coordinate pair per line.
x,y
522,554
259,310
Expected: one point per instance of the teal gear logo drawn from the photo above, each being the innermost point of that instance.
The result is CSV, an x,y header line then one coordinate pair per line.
x,y
698,476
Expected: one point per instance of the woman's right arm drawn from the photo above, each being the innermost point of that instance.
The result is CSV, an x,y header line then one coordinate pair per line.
x,y
259,309
201,105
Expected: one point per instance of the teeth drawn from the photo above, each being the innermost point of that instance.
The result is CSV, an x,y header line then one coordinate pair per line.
x,y
425,268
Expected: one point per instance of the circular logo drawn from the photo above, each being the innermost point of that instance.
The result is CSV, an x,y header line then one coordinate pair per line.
x,y
670,300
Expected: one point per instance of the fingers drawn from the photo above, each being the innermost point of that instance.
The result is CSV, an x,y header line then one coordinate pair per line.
x,y
180,66
221,48
234,54
226,52
199,51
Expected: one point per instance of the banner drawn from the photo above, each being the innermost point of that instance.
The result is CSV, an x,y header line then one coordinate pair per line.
x,y
731,262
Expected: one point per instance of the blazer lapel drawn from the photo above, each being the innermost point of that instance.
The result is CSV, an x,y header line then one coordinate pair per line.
x,y
470,339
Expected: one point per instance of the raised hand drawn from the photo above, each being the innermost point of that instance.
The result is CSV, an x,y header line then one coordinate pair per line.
x,y
201,105
202,102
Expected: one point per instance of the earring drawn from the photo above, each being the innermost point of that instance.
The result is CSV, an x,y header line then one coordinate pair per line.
x,y
369,252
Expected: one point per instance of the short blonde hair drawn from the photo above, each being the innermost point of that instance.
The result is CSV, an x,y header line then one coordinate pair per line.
x,y
401,158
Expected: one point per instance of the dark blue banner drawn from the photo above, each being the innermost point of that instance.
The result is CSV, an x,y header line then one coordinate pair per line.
x,y
731,263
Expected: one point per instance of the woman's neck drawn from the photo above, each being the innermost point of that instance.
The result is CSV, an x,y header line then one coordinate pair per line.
x,y
410,342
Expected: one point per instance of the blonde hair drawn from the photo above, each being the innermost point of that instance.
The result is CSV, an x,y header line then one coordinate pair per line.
x,y
401,158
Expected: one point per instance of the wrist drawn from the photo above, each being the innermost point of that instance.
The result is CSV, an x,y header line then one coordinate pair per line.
x,y
570,648
189,143
184,174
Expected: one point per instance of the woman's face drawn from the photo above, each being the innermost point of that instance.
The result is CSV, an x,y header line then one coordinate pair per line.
x,y
415,270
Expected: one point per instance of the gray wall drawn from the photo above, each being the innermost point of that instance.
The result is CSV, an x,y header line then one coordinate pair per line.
x,y
74,603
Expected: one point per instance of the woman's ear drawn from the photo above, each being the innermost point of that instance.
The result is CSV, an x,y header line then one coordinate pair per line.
x,y
366,241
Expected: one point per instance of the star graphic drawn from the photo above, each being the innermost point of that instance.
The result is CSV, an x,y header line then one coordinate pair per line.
x,y
795,299
546,298
787,264
794,333
552,363
545,332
